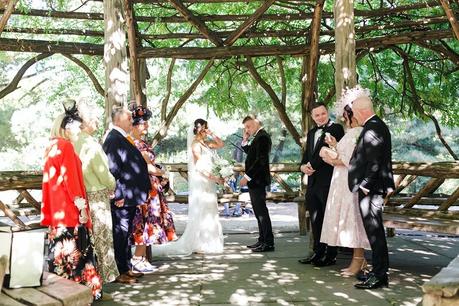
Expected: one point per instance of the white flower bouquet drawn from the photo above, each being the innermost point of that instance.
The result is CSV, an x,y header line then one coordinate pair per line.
x,y
222,168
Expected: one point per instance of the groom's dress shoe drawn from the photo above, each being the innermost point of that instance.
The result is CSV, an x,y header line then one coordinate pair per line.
x,y
325,262
255,245
373,282
263,248
310,260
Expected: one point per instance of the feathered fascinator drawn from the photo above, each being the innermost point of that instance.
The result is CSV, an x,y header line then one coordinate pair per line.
x,y
140,114
71,114
348,97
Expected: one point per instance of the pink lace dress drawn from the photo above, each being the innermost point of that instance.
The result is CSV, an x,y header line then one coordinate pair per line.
x,y
343,225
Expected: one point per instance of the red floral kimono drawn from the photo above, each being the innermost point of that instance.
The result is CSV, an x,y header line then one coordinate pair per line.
x,y
70,247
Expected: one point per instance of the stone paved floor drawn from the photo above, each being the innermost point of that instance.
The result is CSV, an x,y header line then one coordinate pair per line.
x,y
239,277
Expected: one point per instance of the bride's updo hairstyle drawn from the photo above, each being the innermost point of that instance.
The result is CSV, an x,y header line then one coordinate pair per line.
x,y
199,125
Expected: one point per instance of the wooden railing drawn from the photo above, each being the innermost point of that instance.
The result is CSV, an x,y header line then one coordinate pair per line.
x,y
406,175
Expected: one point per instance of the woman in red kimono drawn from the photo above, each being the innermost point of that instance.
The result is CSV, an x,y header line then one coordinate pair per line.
x,y
64,207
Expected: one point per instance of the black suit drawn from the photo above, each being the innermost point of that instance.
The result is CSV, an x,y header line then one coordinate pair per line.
x,y
257,168
129,168
371,168
319,184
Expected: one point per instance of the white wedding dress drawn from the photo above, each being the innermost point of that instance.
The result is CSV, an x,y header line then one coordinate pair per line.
x,y
203,232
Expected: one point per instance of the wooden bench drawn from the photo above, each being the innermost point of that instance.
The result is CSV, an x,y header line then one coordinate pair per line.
x,y
55,291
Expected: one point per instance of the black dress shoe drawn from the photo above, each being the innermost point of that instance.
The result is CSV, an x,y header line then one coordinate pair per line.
x,y
373,282
310,260
325,262
255,245
263,248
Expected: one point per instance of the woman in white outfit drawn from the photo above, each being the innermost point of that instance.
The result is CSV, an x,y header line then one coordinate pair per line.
x,y
342,225
203,232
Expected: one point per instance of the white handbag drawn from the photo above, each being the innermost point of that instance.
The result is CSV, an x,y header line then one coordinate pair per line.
x,y
25,252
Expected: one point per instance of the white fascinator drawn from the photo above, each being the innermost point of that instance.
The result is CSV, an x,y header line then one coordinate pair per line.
x,y
348,96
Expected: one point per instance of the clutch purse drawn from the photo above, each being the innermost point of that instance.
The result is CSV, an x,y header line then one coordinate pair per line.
x,y
329,153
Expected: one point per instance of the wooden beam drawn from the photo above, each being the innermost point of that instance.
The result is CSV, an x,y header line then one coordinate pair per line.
x,y
42,46
6,14
313,56
248,23
295,50
229,17
60,31
451,17
195,21
134,63
450,201
10,214
430,187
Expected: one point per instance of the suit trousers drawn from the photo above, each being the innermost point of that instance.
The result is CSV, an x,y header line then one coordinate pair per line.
x,y
316,201
371,206
122,218
258,199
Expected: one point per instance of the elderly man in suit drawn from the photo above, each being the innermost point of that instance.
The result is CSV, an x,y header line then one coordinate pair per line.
x,y
129,168
370,175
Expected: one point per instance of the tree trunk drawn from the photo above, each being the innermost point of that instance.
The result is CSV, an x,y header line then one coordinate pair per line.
x,y
345,73
115,57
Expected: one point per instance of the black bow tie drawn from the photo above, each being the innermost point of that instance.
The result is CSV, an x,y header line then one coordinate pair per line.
x,y
321,127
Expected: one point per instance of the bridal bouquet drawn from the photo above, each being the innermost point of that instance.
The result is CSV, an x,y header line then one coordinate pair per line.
x,y
222,168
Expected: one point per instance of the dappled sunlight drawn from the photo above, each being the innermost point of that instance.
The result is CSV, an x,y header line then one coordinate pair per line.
x,y
240,277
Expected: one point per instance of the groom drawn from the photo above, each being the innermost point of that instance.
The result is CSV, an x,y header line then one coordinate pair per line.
x,y
319,178
257,177
370,174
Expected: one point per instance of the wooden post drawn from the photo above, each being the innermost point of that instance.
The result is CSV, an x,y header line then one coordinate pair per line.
x,y
345,71
311,72
115,57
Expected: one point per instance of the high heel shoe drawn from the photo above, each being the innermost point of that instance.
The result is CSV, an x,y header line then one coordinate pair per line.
x,y
349,272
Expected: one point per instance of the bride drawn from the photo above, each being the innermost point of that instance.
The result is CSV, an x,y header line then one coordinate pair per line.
x,y
203,232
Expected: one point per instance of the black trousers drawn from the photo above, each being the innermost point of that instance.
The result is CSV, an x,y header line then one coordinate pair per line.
x,y
258,199
316,201
371,210
122,218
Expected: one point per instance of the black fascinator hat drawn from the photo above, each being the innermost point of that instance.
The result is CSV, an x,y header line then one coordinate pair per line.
x,y
71,114
140,114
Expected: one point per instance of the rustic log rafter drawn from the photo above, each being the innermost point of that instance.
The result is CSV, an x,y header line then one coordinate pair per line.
x,y
423,22
6,14
384,12
451,17
13,85
248,23
441,50
27,45
195,21
275,99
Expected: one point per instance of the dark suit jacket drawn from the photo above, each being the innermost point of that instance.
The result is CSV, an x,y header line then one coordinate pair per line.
x,y
129,168
257,161
371,162
322,176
